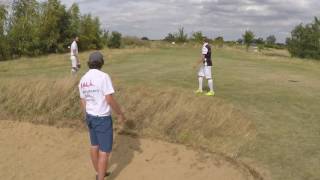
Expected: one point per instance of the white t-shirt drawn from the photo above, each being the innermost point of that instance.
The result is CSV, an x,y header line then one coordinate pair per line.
x,y
93,87
74,48
205,49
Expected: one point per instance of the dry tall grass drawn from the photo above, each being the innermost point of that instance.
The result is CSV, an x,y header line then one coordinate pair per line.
x,y
38,100
177,115
171,114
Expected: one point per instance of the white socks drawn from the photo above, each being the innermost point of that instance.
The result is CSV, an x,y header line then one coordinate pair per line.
x,y
210,84
200,83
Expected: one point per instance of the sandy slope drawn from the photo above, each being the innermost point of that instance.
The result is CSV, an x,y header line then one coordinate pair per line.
x,y
34,152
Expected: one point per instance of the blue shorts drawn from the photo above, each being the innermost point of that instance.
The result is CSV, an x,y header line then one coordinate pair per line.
x,y
101,132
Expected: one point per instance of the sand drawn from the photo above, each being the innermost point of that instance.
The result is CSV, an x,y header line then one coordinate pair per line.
x,y
35,152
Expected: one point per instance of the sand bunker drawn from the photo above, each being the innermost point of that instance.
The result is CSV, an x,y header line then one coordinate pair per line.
x,y
32,152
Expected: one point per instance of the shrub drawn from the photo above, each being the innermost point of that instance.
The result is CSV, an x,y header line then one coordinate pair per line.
x,y
248,37
115,40
145,38
304,41
134,41
197,37
170,38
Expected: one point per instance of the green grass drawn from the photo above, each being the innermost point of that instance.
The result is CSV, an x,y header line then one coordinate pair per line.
x,y
279,94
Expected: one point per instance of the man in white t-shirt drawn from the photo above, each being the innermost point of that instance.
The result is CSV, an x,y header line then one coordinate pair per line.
x,y
75,62
205,69
96,93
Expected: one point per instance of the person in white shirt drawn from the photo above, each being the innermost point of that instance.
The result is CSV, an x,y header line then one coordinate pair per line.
x,y
96,93
205,69
75,62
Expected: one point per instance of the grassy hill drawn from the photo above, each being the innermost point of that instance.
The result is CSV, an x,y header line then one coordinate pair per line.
x,y
266,108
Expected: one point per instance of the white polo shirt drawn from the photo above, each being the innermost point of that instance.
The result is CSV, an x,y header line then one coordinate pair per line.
x,y
93,87
205,49
74,48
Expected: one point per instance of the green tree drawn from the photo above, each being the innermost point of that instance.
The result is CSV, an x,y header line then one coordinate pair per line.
x,y
105,37
90,33
23,30
248,37
259,41
53,24
219,41
4,48
271,40
181,36
198,37
3,19
115,40
32,28
240,41
145,38
170,38
74,14
305,40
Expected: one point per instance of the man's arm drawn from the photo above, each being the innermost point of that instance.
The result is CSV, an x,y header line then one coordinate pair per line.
x,y
115,107
83,105
199,61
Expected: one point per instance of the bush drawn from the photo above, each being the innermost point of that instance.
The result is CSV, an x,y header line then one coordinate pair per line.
x,y
134,41
170,38
180,36
304,41
219,41
115,40
248,37
197,37
145,38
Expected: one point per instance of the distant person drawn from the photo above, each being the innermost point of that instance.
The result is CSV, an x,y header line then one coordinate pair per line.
x,y
96,93
75,62
205,69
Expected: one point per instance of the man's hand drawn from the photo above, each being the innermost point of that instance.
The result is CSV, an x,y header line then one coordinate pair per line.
x,y
83,107
198,63
116,108
121,118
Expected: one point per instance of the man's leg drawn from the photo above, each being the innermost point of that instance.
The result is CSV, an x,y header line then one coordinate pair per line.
x,y
200,79
200,83
94,152
74,71
208,75
210,84
74,68
102,164
105,139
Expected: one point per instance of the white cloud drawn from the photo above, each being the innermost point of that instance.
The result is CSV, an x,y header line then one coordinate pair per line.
x,y
156,18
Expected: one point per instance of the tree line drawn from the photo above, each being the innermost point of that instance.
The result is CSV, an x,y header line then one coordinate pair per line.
x,y
248,38
303,43
31,28
182,37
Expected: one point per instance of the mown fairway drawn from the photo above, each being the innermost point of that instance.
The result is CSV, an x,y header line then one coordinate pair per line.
x,y
280,95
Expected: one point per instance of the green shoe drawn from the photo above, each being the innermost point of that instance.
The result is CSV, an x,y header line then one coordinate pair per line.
x,y
211,93
198,91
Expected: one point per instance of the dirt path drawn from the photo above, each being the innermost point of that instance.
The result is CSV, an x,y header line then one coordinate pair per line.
x,y
32,152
